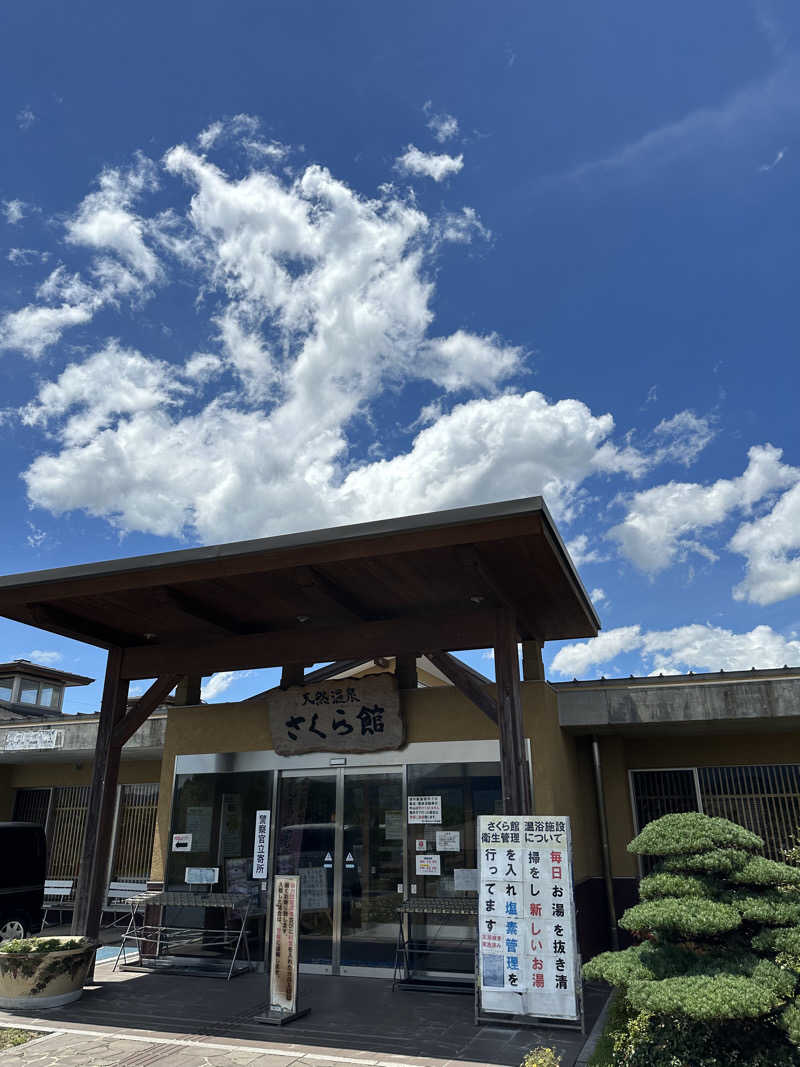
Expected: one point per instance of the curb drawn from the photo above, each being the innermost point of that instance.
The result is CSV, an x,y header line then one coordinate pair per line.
x,y
590,1044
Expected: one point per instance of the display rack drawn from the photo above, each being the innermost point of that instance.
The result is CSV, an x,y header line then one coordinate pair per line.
x,y
408,950
156,942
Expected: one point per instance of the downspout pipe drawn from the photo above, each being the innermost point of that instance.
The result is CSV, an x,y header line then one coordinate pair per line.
x,y
604,846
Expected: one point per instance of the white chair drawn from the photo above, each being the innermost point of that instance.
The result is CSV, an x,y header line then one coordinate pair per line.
x,y
57,897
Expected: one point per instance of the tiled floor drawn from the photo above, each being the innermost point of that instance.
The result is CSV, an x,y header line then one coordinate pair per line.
x,y
355,1020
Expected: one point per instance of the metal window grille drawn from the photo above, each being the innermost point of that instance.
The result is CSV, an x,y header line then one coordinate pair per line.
x,y
67,823
657,793
764,798
30,805
136,827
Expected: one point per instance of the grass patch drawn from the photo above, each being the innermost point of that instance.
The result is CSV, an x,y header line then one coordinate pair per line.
x,y
616,1021
11,1038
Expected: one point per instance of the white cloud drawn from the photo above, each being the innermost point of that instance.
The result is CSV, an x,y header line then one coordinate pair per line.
x,y
33,329
26,118
682,438
428,164
443,126
23,257
693,647
581,552
319,303
46,657
598,595
14,211
661,524
217,684
208,137
771,545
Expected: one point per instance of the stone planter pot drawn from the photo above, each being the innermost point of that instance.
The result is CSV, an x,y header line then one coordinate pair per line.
x,y
33,980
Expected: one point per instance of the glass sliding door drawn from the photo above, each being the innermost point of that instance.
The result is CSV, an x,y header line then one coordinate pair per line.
x,y
342,832
306,845
373,867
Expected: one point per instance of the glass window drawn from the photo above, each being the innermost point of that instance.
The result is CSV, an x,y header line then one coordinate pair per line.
x,y
48,696
29,693
447,942
219,811
6,688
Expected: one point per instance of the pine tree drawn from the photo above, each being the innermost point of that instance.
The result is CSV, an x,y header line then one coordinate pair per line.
x,y
713,976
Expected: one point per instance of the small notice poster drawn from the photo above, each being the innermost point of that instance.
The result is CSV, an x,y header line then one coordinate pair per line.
x,y
425,810
422,844
448,841
526,922
429,863
283,966
261,846
393,825
181,842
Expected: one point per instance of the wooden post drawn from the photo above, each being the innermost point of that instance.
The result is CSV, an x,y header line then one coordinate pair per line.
x,y
188,691
406,671
513,760
292,674
532,665
102,798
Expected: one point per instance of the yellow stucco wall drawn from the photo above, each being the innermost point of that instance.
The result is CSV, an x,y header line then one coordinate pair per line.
x,y
37,775
562,773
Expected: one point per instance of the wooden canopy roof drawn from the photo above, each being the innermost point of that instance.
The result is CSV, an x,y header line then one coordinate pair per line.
x,y
405,585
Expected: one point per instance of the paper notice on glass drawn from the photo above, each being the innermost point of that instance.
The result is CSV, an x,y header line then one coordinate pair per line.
x,y
429,863
198,824
393,825
448,841
425,809
181,842
466,880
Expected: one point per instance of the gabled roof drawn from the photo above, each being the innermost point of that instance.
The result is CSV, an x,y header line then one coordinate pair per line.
x,y
48,674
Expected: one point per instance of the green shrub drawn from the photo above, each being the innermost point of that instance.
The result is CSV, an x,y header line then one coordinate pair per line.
x,y
541,1057
714,978
43,944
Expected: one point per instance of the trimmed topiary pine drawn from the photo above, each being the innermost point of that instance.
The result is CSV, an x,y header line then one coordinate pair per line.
x,y
718,954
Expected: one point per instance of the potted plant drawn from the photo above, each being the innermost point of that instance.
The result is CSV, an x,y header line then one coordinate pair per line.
x,y
43,972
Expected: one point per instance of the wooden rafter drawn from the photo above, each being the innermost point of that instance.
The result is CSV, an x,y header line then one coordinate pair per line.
x,y
465,682
144,707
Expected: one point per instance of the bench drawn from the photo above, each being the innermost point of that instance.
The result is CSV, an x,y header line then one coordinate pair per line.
x,y
57,897
118,895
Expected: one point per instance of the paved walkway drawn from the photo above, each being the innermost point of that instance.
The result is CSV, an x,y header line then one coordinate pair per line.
x,y
134,1019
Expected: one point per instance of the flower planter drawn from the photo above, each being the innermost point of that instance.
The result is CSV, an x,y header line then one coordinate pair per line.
x,y
33,979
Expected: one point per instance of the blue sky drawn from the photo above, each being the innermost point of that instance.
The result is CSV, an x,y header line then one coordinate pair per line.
x,y
269,267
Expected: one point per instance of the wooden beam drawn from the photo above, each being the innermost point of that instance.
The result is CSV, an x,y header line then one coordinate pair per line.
x,y
470,627
514,770
188,691
405,669
56,619
465,682
144,707
200,609
532,665
96,849
506,598
325,587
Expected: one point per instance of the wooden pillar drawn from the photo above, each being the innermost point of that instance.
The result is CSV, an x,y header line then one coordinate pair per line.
x,y
513,760
292,674
406,671
188,692
102,798
532,665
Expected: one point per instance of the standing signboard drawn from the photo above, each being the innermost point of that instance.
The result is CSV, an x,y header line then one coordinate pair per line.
x,y
528,961
283,956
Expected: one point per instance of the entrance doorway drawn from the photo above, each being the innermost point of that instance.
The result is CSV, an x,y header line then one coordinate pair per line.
x,y
341,831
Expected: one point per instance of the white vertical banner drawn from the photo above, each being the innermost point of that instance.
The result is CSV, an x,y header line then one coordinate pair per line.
x,y
261,846
527,944
283,965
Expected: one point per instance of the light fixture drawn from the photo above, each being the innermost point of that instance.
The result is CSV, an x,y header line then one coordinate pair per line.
x,y
304,618
477,599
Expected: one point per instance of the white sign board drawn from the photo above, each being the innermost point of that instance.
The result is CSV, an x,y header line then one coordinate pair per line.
x,y
424,809
261,846
201,875
429,863
314,889
448,841
181,842
283,966
526,921
21,740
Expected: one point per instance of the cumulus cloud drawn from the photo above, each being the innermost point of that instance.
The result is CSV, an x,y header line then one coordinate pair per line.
x,y
771,546
428,164
662,523
319,306
582,552
443,126
694,647
47,657
682,438
33,329
14,211
217,684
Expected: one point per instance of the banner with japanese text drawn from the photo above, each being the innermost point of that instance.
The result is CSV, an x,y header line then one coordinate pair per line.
x,y
283,969
528,955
